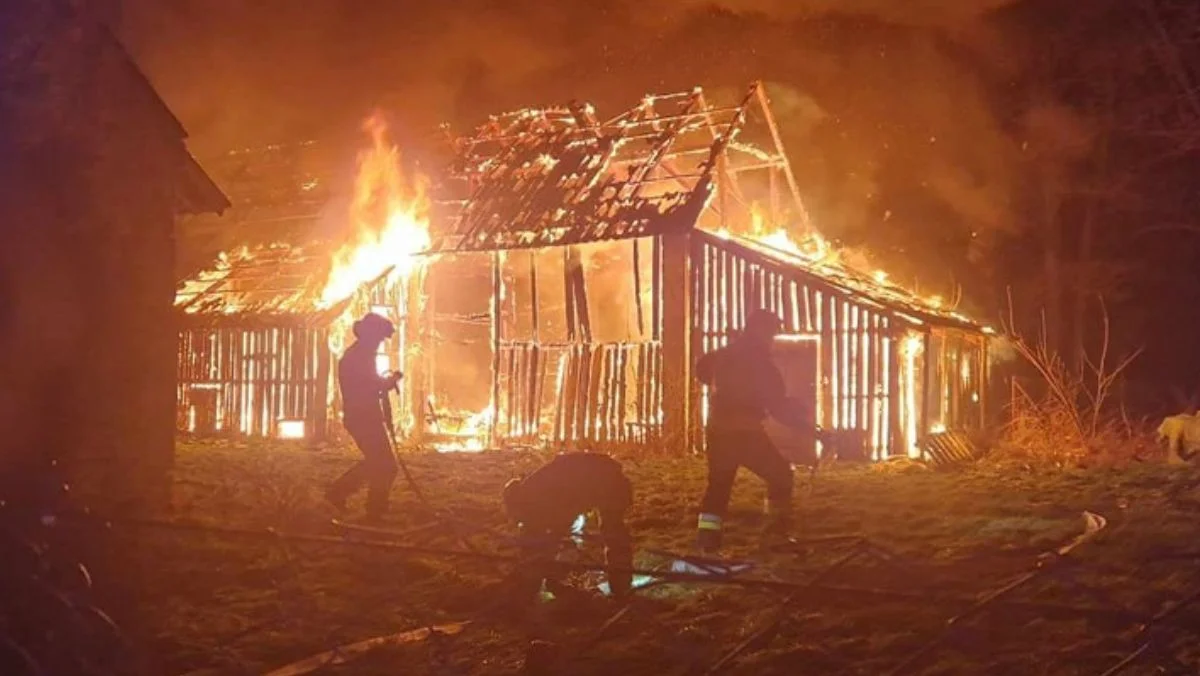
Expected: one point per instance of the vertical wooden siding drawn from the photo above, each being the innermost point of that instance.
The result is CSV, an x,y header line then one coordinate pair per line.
x,y
859,387
573,393
244,380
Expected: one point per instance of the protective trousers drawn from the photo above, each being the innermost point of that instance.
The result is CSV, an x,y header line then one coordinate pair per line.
x,y
618,553
538,554
377,470
728,450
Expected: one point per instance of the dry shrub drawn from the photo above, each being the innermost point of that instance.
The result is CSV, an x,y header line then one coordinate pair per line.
x,y
1045,434
1075,422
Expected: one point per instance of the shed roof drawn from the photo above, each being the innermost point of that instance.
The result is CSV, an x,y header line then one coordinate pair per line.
x,y
272,281
198,193
854,283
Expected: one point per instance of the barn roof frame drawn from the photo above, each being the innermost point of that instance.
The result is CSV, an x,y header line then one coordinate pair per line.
x,y
561,176
537,178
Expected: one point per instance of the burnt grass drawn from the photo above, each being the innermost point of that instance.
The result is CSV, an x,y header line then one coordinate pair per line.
x,y
218,604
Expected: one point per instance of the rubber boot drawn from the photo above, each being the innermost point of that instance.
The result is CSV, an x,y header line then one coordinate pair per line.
x,y
619,554
779,521
708,534
536,571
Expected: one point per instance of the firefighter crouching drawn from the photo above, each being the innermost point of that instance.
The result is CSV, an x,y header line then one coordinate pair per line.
x,y
546,503
744,387
364,396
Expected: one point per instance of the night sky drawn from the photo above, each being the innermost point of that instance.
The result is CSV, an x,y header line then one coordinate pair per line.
x,y
947,138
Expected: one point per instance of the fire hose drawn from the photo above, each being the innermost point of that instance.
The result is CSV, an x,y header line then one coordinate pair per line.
x,y
385,403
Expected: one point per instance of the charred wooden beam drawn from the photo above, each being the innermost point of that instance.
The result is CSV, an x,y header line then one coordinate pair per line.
x,y
497,293
579,317
637,290
676,340
318,343
533,295
765,105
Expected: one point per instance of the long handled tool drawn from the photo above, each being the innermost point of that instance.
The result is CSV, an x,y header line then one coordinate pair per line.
x,y
385,404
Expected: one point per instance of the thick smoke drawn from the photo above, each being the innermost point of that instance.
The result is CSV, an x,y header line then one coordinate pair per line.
x,y
887,109
942,13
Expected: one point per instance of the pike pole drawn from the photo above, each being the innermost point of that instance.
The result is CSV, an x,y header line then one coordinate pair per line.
x,y
385,403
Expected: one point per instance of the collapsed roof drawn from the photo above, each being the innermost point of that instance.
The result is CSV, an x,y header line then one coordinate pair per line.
x,y
557,176
271,282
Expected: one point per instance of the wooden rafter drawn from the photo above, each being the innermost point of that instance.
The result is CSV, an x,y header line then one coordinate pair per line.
x,y
559,177
861,288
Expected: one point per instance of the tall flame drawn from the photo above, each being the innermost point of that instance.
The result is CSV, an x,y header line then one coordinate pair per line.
x,y
813,247
389,216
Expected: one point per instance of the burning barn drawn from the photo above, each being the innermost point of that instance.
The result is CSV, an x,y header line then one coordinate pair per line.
x,y
257,342
575,268
260,327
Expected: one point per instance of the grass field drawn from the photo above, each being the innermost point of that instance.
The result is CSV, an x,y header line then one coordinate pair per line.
x,y
247,605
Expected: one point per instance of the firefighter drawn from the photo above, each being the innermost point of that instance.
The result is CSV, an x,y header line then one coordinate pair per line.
x,y
546,503
364,396
745,387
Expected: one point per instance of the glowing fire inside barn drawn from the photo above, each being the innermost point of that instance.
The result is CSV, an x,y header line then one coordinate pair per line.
x,y
555,284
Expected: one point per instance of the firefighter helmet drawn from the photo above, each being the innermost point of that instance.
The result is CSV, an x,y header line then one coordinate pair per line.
x,y
763,324
373,327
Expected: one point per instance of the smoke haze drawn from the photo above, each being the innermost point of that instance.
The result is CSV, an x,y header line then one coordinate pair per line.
x,y
888,110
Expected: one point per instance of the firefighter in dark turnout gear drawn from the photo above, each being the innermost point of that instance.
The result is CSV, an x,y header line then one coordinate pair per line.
x,y
364,396
745,387
546,503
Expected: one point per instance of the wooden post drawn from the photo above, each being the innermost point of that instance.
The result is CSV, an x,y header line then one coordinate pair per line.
x,y
533,393
828,363
497,289
776,217
569,291
699,339
533,297
676,340
723,190
637,292
894,393
761,93
569,402
412,359
429,331
870,361
984,380
319,409
928,366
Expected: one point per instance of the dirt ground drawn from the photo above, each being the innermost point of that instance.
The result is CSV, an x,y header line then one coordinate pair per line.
x,y
237,605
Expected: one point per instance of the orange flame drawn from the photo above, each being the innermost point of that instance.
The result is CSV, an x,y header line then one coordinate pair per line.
x,y
389,218
813,247
472,434
820,253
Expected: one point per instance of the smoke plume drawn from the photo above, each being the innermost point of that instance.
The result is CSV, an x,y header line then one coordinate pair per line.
x,y
887,109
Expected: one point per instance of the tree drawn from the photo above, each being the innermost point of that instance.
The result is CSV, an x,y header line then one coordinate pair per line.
x,y
1124,73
